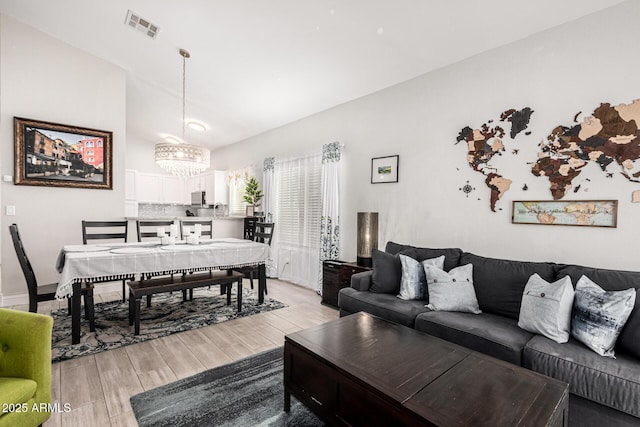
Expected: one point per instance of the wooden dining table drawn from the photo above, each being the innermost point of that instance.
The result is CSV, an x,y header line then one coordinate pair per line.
x,y
78,264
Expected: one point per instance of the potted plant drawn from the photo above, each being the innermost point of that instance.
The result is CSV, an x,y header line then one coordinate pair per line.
x,y
252,196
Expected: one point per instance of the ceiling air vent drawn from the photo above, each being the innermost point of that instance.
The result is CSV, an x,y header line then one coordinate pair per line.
x,y
136,22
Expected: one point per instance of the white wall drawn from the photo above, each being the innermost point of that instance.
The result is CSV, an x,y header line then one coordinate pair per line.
x,y
42,78
558,73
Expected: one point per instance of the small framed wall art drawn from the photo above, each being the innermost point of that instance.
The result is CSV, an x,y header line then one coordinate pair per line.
x,y
56,155
384,169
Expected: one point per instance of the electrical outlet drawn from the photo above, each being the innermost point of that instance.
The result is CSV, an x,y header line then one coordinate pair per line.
x,y
11,210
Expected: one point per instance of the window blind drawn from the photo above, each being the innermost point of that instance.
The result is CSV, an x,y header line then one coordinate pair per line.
x,y
299,201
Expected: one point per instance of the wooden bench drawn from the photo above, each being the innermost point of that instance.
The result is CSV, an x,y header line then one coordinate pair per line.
x,y
180,282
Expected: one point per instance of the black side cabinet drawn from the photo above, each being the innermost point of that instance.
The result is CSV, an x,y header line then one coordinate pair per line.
x,y
335,276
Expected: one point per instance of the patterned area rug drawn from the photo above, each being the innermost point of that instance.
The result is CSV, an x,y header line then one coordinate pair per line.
x,y
167,315
249,392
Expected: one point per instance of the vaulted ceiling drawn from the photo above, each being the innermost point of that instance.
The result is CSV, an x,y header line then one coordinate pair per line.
x,y
259,64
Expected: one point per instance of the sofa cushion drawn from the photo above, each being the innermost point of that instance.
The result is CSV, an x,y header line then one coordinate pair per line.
x,y
17,390
614,280
546,308
387,306
413,284
452,291
387,271
451,255
599,316
500,283
611,382
490,334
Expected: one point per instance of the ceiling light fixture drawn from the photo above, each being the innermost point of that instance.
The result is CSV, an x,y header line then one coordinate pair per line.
x,y
182,159
196,126
172,139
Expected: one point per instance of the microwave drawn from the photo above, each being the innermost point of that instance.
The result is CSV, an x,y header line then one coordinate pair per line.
x,y
198,198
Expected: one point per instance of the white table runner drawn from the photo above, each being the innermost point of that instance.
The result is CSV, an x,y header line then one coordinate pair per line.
x,y
119,261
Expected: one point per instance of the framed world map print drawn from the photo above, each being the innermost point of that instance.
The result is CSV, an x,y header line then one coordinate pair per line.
x,y
384,169
590,213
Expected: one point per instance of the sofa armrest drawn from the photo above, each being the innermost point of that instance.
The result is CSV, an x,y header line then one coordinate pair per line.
x,y
361,281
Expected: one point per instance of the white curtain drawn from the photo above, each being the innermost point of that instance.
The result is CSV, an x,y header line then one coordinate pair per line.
x,y
297,211
269,204
330,219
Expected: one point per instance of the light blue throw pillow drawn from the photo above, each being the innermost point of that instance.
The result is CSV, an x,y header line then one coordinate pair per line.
x,y
452,291
599,316
413,284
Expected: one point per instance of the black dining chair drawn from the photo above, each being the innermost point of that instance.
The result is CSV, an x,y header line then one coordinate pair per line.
x,y
47,292
107,230
207,226
151,227
263,233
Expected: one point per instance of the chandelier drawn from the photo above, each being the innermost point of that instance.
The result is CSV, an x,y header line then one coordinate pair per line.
x,y
182,159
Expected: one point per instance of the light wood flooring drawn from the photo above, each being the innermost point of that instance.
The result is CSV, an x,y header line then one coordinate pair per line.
x,y
98,387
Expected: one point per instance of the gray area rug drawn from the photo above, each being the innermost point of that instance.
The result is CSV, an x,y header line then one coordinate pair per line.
x,y
248,392
167,315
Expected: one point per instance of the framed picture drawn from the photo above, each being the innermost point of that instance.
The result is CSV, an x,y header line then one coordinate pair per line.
x,y
250,211
589,213
384,169
55,155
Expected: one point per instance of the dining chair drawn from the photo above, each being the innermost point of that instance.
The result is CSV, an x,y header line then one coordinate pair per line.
x,y
47,292
263,233
152,228
115,230
207,226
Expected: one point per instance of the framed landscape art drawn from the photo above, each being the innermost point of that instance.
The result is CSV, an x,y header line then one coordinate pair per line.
x,y
589,213
56,155
384,169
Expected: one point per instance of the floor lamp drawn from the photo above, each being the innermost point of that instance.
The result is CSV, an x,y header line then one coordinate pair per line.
x,y
367,237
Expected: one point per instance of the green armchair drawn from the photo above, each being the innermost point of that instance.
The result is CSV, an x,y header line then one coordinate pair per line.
x,y
25,368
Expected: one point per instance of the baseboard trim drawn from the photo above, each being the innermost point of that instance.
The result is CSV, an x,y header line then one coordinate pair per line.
x,y
20,299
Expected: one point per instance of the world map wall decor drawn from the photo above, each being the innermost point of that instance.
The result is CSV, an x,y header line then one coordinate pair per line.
x,y
609,137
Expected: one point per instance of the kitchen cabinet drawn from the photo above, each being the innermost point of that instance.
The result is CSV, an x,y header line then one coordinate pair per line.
x,y
157,188
216,188
149,187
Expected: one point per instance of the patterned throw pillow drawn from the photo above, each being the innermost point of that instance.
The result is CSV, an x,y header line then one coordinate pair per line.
x,y
413,284
452,291
599,316
546,308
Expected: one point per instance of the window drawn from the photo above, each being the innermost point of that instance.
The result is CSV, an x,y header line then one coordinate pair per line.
x,y
236,194
299,201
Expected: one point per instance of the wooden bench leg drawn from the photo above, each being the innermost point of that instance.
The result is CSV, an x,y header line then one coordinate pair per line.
x,y
148,300
137,317
191,294
131,308
239,295
228,294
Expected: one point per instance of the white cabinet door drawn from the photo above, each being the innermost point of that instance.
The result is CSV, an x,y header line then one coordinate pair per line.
x,y
149,187
130,184
194,183
172,189
216,187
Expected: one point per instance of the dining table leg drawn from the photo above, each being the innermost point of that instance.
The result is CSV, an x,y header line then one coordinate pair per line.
x,y
76,299
262,282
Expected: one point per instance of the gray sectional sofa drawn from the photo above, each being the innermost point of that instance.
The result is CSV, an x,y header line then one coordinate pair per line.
x,y
604,391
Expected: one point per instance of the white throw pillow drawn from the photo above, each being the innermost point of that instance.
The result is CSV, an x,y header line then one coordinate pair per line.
x,y
452,291
413,284
546,308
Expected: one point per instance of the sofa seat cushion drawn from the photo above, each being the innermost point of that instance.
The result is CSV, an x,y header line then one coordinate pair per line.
x,y
500,283
487,333
610,382
386,306
17,390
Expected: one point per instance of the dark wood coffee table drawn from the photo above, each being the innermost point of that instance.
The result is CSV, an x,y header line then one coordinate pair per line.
x,y
361,370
